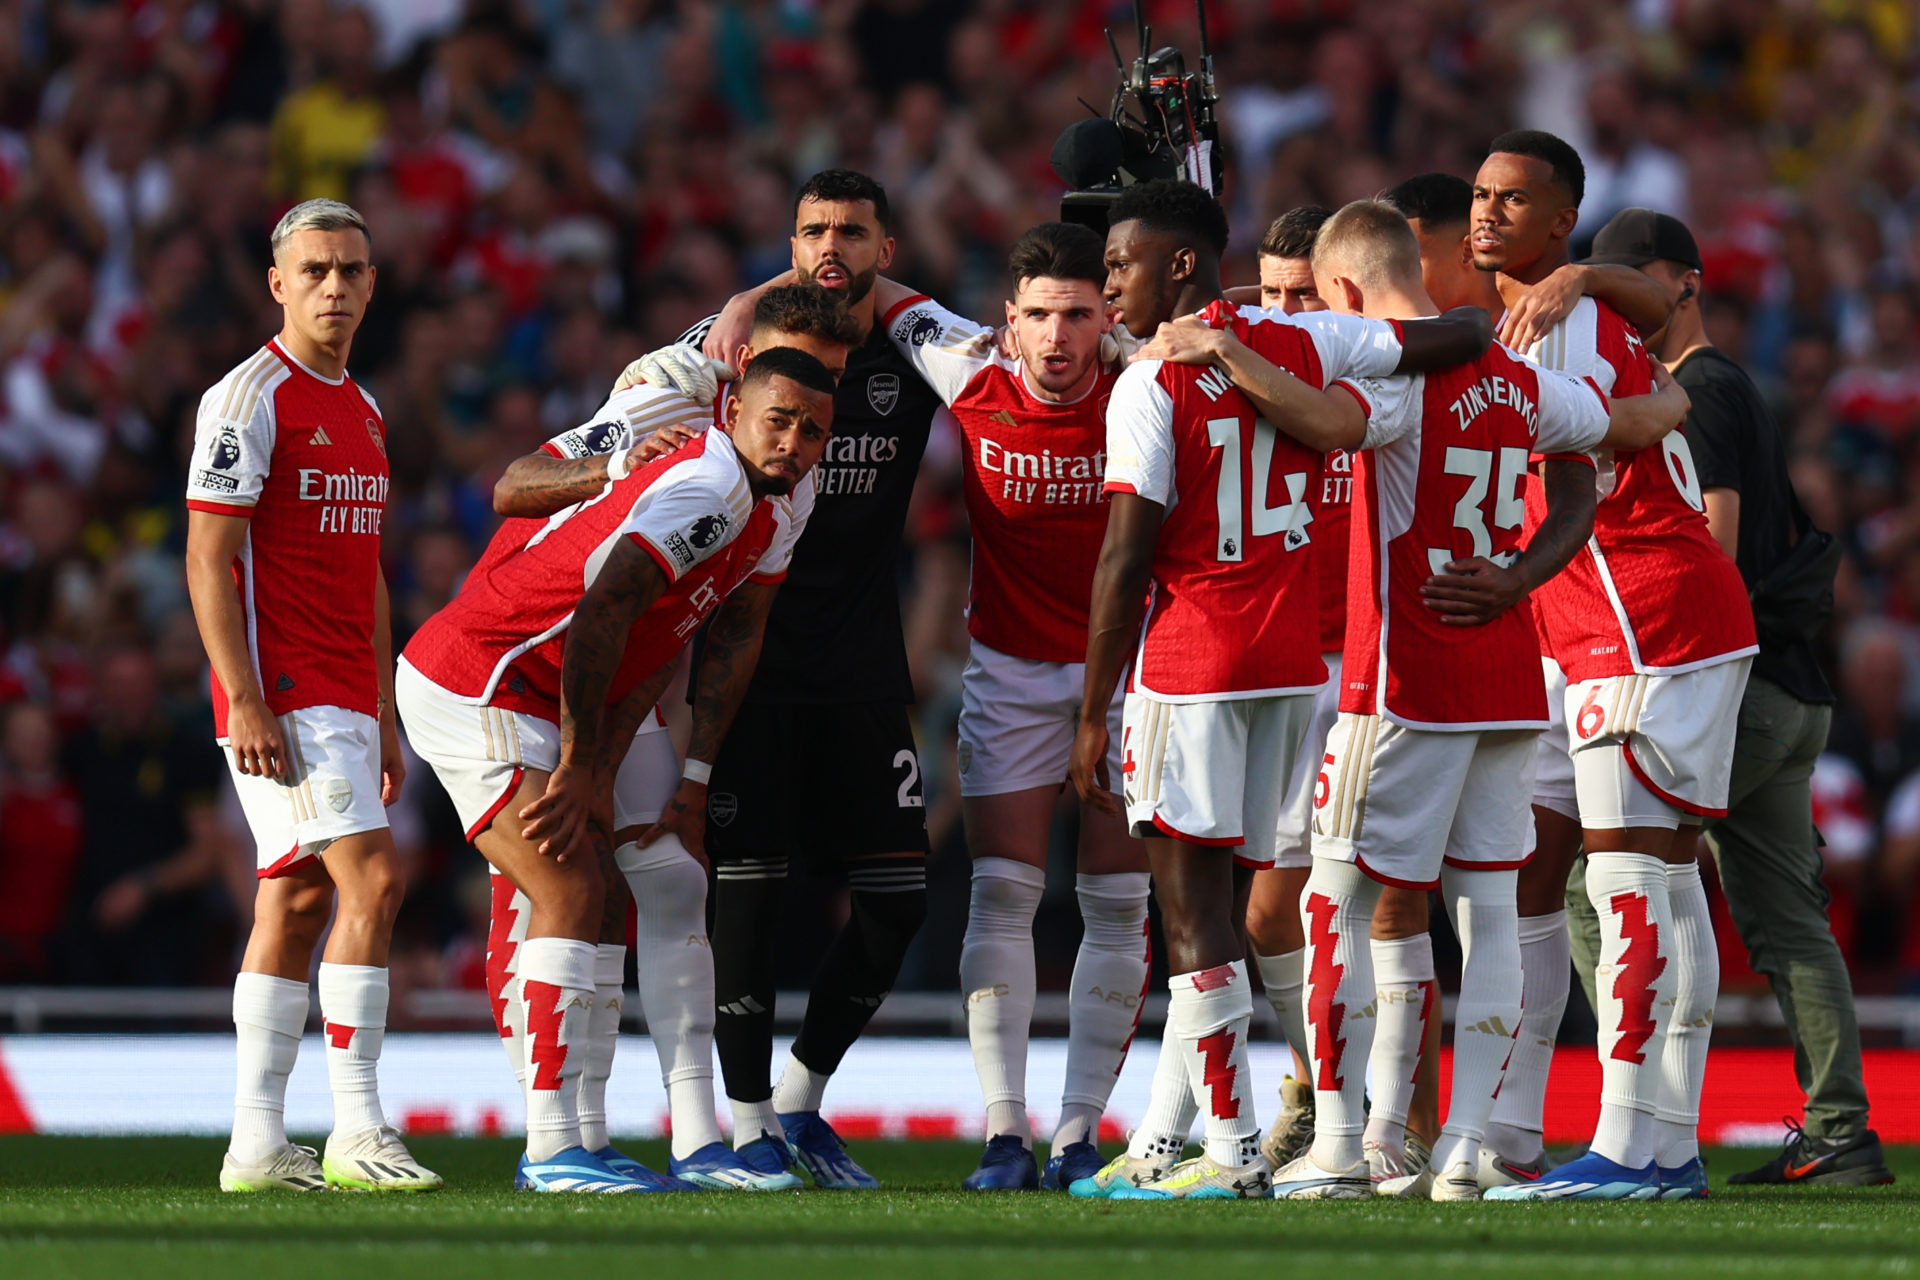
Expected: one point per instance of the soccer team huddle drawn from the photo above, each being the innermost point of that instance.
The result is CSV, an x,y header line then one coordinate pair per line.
x,y
1318,604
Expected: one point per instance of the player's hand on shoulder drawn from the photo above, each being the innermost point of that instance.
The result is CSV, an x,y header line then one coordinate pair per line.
x,y
1542,307
556,823
1188,340
1473,592
658,445
681,367
254,736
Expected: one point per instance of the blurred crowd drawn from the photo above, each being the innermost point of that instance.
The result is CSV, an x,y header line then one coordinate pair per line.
x,y
556,186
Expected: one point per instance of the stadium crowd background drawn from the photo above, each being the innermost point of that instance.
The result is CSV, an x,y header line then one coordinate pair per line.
x,y
556,186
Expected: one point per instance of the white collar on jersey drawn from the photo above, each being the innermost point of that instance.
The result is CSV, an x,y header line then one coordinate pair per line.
x,y
340,381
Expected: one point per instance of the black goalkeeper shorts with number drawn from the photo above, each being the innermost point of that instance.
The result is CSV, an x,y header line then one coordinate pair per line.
x,y
817,782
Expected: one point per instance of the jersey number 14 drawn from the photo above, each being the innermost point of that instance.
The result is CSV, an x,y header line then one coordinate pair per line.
x,y
1238,508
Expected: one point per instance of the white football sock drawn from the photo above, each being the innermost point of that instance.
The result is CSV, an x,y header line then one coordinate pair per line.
x,y
1546,958
754,1120
353,1012
1634,983
674,964
1402,970
997,980
1284,977
1337,907
1209,1012
603,1038
556,984
799,1088
1683,1063
1163,1131
269,1015
1103,1005
1486,918
506,931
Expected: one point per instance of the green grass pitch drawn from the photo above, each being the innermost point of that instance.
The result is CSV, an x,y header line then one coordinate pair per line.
x,y
148,1207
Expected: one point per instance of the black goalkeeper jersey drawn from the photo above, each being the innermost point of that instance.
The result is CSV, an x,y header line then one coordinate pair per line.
x,y
834,634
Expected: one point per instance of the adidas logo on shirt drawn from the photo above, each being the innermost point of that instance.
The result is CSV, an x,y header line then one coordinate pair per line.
x,y
320,436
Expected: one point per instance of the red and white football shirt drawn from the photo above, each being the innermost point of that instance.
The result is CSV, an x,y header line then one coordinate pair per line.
x,y
1033,479
1440,477
1235,611
1332,532
1651,593
501,642
305,459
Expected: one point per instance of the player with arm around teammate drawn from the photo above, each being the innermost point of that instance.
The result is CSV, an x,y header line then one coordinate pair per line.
x,y
1034,431
1650,630
507,693
673,960
1211,506
284,506
1434,723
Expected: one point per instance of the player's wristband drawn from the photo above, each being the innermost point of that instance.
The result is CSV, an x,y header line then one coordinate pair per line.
x,y
619,463
697,771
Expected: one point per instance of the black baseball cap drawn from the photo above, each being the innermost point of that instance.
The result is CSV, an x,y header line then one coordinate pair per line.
x,y
1635,237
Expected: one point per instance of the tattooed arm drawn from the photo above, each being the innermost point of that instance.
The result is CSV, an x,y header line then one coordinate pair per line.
x,y
726,666
624,589
540,484
1477,590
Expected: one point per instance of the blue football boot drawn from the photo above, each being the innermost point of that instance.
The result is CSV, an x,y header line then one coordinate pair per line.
x,y
818,1149
1006,1165
1070,1163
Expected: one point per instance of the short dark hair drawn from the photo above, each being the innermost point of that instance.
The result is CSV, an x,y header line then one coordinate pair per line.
x,y
1059,251
808,311
1433,199
1174,206
1291,234
787,362
845,185
1538,144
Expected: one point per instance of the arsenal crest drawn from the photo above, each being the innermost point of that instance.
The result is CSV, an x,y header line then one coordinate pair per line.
x,y
379,441
723,808
883,392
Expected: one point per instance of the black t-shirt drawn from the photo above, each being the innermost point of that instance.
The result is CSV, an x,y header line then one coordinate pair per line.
x,y
134,795
1737,445
834,634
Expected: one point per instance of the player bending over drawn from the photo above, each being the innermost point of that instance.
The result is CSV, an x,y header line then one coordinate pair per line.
x,y
524,694
1035,435
284,505
673,960
1210,506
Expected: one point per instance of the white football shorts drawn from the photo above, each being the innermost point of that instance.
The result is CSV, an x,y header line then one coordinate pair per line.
x,y
1553,769
1401,803
1294,845
1212,773
1018,718
331,788
479,753
1656,751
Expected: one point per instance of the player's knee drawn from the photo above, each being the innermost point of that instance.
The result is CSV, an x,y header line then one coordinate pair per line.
x,y
302,913
672,891
1274,928
1113,909
374,891
1400,913
890,918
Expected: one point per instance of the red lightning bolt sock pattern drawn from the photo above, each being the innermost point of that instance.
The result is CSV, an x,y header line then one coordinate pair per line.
x,y
506,930
1634,982
1338,910
353,1007
1209,1011
556,982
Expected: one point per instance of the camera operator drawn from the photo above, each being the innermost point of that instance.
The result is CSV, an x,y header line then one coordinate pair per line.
x,y
1766,848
